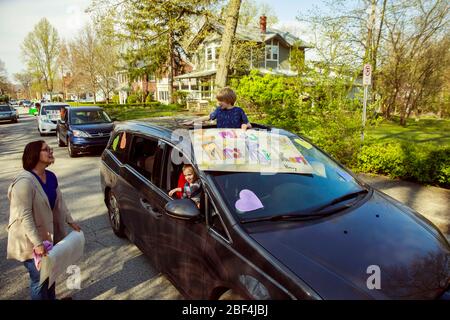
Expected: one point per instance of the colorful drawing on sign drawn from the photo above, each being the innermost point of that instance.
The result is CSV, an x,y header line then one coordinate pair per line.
x,y
250,151
213,151
248,201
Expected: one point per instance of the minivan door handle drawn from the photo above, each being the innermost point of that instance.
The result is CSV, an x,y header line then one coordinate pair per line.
x,y
148,207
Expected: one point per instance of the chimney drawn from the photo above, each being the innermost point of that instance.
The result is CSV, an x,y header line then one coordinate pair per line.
x,y
263,23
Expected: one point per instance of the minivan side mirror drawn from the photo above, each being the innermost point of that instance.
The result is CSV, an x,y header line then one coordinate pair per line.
x,y
184,209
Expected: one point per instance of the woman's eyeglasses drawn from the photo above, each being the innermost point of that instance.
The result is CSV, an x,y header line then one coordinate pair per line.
x,y
48,150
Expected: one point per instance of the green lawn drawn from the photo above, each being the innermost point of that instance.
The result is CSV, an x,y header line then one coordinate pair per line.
x,y
433,131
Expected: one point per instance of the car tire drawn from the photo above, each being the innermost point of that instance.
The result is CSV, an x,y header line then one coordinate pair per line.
x,y
58,140
231,295
72,152
114,215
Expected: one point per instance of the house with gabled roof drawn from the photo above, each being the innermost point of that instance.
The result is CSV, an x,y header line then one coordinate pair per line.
x,y
265,49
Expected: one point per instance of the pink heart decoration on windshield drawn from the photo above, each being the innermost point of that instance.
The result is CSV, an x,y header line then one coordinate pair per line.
x,y
248,201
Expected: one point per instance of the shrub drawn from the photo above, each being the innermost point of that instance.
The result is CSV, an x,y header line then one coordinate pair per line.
x,y
180,97
424,163
133,98
150,98
115,99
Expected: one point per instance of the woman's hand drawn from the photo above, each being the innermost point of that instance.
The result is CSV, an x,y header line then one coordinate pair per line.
x,y
75,226
40,250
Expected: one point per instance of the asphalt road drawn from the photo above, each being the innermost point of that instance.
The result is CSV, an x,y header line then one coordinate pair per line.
x,y
111,268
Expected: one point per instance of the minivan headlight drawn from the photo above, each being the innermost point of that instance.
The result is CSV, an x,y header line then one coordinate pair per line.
x,y
79,133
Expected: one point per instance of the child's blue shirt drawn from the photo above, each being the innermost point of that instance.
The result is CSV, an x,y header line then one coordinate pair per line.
x,y
229,118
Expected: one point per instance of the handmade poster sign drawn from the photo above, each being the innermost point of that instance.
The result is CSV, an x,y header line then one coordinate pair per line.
x,y
247,151
65,253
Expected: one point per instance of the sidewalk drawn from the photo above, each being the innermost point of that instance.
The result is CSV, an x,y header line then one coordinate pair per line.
x,y
431,202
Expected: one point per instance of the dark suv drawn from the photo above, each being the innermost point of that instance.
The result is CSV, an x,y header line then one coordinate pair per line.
x,y
83,129
308,231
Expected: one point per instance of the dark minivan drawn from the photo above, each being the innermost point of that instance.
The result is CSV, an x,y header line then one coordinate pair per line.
x,y
311,233
83,129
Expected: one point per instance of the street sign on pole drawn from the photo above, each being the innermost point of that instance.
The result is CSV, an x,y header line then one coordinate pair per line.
x,y
367,75
367,81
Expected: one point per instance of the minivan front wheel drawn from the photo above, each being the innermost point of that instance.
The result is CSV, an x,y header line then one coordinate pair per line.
x,y
114,215
58,139
72,152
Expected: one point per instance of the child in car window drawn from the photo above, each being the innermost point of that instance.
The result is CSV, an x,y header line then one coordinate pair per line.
x,y
192,188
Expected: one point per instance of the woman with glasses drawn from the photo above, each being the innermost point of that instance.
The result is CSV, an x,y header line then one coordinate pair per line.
x,y
37,214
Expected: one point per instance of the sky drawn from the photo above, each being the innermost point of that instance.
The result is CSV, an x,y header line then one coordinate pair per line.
x,y
18,18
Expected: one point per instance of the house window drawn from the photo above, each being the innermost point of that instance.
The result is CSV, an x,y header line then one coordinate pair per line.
x,y
209,54
163,95
212,53
272,51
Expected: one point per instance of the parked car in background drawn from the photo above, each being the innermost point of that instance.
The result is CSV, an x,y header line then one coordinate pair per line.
x,y
27,103
83,129
8,113
14,103
48,117
307,230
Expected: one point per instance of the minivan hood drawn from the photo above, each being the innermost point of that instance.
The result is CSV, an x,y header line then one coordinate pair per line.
x,y
94,128
336,255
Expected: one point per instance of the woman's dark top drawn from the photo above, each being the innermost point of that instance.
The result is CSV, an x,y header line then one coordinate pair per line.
x,y
49,187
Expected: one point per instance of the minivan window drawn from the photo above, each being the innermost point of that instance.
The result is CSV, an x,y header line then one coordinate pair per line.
x,y
143,154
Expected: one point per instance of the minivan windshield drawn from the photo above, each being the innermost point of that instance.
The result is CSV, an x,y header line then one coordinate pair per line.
x,y
253,196
89,117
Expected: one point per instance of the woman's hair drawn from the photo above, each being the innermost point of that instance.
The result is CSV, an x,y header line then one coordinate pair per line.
x,y
189,166
227,95
31,154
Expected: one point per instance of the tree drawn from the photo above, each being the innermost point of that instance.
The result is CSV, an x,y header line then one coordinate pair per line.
x,y
4,84
25,78
250,12
84,51
227,42
413,55
40,51
153,32
107,56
